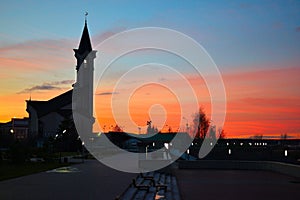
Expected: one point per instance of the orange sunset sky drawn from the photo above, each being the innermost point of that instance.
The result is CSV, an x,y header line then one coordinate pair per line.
x,y
256,47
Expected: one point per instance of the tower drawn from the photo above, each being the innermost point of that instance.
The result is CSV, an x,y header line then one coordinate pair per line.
x,y
83,88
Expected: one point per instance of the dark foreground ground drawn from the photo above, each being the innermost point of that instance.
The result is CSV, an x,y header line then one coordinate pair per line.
x,y
93,180
236,184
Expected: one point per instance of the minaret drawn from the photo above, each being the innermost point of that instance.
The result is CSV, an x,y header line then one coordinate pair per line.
x,y
85,56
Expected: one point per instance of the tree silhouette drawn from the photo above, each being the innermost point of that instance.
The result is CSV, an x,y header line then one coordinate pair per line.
x,y
117,128
151,129
222,134
67,136
284,136
212,132
200,123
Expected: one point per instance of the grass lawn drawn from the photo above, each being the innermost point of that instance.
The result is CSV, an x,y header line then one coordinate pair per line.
x,y
8,171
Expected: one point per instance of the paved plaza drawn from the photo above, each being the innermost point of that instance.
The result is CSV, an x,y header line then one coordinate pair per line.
x,y
90,180
93,180
236,185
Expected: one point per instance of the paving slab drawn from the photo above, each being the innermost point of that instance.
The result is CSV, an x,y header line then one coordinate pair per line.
x,y
236,184
89,180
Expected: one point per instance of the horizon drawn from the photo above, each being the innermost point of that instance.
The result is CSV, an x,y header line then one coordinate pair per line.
x,y
258,59
253,137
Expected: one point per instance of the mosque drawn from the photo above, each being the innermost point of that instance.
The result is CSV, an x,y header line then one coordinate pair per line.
x,y
45,117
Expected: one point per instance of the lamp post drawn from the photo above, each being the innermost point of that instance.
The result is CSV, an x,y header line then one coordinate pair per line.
x,y
59,142
82,146
167,150
187,124
147,152
12,130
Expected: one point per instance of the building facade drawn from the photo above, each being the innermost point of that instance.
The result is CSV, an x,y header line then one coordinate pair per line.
x,y
17,127
46,117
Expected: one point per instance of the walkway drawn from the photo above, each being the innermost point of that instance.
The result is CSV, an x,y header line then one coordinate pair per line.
x,y
236,184
152,185
90,180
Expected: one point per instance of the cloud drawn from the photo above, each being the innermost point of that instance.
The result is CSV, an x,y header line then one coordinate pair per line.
x,y
56,85
162,79
46,55
107,93
39,88
64,82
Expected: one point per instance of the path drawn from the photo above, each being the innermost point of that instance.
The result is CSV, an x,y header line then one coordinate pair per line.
x,y
90,180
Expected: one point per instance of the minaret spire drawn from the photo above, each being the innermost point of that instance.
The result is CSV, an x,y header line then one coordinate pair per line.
x,y
85,46
84,86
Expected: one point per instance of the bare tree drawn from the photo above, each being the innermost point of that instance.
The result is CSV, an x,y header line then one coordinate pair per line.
x,y
222,134
212,132
117,128
200,123
151,129
284,136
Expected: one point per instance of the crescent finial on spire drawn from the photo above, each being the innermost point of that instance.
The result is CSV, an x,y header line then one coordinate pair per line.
x,y
85,15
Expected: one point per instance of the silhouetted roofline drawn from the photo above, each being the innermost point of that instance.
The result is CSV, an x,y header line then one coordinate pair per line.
x,y
52,105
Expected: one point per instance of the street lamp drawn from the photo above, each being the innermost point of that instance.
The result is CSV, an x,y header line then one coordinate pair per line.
x,y
229,151
13,126
167,149
166,145
285,153
82,146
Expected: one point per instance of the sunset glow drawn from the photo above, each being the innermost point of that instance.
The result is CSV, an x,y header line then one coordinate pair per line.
x,y
258,60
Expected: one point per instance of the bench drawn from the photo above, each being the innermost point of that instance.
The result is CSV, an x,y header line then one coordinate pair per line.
x,y
159,186
146,177
140,186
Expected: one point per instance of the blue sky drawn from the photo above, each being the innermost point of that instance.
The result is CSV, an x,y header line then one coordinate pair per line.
x,y
234,33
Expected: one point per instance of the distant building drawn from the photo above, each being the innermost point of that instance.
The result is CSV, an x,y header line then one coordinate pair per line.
x,y
18,127
155,141
45,117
